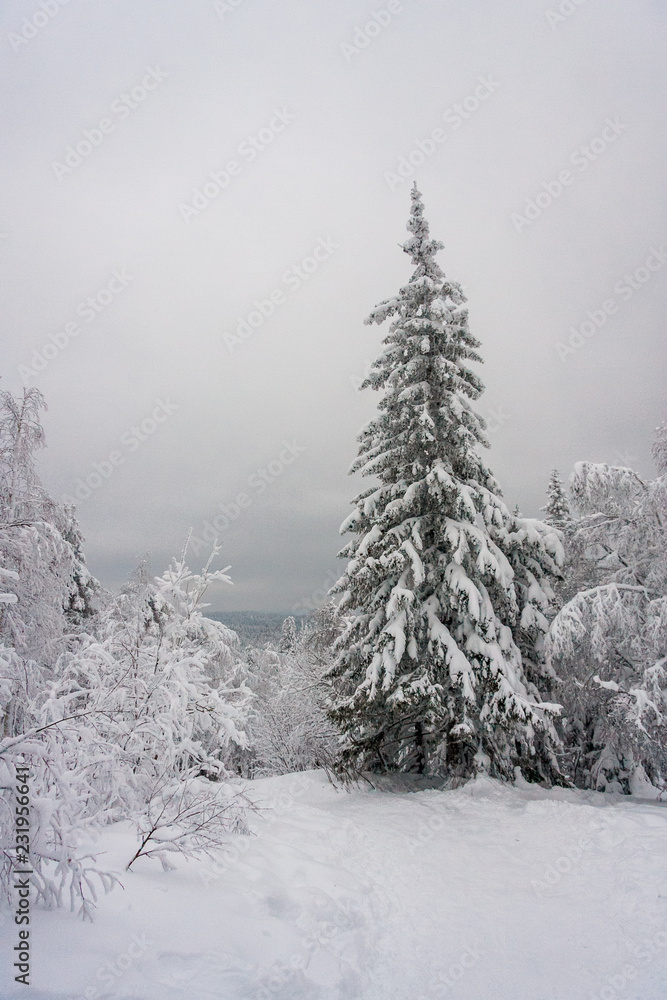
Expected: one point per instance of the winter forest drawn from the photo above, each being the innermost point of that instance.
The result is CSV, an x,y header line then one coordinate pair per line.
x,y
446,775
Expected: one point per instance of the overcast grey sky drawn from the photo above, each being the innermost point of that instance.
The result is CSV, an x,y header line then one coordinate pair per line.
x,y
117,111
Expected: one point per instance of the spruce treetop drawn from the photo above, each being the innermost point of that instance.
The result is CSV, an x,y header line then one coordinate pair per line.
x,y
421,248
426,420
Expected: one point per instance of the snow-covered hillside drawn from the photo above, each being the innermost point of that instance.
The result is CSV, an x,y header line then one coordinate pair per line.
x,y
489,892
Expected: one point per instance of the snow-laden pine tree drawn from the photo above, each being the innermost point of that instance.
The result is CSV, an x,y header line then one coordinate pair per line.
x,y
578,569
288,635
445,592
557,508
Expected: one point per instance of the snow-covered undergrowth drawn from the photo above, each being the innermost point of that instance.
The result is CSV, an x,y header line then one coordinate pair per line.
x,y
487,892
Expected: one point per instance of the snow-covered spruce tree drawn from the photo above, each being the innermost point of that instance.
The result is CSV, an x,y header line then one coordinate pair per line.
x,y
557,509
578,570
288,635
439,665
82,607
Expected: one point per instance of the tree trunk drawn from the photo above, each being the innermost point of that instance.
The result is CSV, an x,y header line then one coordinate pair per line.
x,y
419,746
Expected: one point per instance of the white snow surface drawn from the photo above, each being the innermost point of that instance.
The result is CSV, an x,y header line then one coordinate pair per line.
x,y
487,892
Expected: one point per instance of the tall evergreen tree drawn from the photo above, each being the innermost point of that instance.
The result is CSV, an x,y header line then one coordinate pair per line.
x,y
557,508
579,569
445,592
288,635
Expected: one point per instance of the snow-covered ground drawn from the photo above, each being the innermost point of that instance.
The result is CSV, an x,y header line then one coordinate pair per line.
x,y
488,892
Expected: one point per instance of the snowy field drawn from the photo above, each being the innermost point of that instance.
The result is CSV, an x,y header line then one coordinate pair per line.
x,y
488,892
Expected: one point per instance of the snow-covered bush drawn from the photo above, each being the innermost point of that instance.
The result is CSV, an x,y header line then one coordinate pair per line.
x,y
125,728
65,815
39,541
119,708
289,729
47,592
188,815
609,642
162,685
130,724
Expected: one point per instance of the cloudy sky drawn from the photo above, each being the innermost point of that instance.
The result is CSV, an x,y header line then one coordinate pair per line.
x,y
201,201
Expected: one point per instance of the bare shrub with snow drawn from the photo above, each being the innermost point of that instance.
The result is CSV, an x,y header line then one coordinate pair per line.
x,y
188,815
